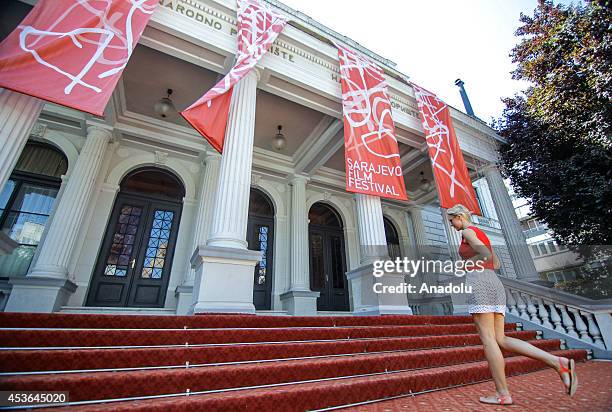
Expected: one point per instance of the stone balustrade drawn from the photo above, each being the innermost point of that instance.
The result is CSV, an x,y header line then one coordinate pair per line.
x,y
585,319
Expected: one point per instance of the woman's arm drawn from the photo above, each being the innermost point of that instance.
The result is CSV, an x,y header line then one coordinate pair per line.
x,y
482,251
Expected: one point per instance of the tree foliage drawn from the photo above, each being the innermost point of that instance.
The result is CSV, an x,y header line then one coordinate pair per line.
x,y
558,131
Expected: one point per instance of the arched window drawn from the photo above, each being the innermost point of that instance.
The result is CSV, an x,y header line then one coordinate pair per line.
x,y
259,204
26,201
153,183
321,214
393,244
260,236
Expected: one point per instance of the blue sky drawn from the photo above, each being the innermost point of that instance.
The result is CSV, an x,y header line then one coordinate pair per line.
x,y
435,42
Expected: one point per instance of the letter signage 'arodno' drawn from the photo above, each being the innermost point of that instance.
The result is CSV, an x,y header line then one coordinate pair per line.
x,y
258,27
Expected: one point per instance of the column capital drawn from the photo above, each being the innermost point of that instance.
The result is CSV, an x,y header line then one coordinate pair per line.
x,y
255,71
99,131
415,208
298,177
490,169
211,157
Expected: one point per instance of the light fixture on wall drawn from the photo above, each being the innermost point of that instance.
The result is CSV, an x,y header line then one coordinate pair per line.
x,y
279,141
164,105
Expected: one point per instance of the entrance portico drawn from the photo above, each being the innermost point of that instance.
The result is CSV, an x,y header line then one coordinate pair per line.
x,y
217,261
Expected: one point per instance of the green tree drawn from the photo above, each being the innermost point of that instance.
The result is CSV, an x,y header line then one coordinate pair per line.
x,y
558,131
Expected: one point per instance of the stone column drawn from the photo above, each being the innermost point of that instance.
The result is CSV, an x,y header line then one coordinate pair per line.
x,y
511,228
203,217
372,239
224,267
231,209
51,267
420,235
373,246
453,237
18,114
205,204
299,299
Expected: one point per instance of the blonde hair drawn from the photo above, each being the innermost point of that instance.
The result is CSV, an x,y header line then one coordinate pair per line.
x,y
460,210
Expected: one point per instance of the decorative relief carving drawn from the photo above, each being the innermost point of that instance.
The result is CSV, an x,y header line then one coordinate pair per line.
x,y
255,179
38,131
123,152
161,157
194,168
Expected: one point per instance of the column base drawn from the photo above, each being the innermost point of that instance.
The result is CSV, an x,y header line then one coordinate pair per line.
x,y
367,302
39,294
300,302
224,280
49,271
184,299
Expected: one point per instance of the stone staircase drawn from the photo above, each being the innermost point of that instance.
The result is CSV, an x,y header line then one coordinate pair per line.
x,y
244,362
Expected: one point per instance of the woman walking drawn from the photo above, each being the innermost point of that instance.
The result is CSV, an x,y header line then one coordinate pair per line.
x,y
487,305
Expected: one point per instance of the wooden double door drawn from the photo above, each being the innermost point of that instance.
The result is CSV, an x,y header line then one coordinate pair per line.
x,y
134,263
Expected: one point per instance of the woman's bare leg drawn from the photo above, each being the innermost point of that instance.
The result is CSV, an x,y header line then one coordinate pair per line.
x,y
525,348
485,324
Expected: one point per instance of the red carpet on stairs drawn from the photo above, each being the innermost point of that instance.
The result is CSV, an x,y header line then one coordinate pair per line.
x,y
244,362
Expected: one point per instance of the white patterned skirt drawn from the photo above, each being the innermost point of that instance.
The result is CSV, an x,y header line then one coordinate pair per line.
x,y
488,294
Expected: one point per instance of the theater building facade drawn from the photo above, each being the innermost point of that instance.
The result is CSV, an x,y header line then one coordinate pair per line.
x,y
114,214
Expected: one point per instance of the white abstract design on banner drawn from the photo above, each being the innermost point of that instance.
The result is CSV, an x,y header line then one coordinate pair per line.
x,y
108,32
260,25
358,107
437,135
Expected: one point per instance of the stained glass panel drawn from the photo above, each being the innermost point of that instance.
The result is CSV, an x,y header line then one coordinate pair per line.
x,y
123,241
157,244
263,246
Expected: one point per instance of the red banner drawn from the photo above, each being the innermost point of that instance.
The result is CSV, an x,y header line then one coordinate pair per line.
x,y
370,147
450,172
258,27
72,52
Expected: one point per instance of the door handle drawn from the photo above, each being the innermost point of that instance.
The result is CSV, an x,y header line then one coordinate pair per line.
x,y
132,263
326,278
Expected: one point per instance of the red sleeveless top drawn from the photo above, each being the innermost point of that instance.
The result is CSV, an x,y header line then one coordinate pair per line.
x,y
466,251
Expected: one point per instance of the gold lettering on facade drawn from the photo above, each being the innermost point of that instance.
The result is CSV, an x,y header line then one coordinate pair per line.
x,y
277,51
404,109
187,11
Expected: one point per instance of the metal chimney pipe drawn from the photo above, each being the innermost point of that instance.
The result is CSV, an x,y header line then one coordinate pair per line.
x,y
464,97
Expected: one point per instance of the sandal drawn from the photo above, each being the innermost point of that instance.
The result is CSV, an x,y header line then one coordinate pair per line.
x,y
497,400
573,378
